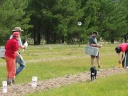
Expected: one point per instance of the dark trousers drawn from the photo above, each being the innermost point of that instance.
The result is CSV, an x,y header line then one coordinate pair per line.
x,y
125,61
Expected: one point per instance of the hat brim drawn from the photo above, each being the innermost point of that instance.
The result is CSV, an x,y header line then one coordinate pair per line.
x,y
17,30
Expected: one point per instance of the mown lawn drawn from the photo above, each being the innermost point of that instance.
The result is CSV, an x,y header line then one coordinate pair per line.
x,y
50,61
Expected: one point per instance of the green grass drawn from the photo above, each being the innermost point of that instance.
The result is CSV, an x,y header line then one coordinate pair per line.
x,y
116,85
60,60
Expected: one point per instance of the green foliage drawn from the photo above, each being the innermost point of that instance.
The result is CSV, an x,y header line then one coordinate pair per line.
x,y
112,20
56,20
12,14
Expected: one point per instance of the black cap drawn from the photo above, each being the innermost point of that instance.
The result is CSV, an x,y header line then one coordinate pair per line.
x,y
117,49
95,32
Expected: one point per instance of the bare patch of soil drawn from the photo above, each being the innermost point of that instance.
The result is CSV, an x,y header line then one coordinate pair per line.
x,y
22,89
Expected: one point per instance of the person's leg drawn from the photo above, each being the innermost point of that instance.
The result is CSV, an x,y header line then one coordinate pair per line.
x,y
126,59
7,66
11,69
98,60
21,65
123,62
92,60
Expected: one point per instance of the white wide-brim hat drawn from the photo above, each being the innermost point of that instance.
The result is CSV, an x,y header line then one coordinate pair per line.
x,y
18,29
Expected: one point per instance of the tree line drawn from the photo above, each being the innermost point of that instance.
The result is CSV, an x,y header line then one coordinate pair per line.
x,y
56,21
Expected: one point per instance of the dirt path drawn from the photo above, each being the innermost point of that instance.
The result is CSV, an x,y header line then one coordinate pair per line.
x,y
22,89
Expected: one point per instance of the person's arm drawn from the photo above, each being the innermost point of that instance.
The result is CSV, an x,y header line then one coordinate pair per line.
x,y
121,59
22,47
123,53
10,37
16,48
94,45
20,44
17,54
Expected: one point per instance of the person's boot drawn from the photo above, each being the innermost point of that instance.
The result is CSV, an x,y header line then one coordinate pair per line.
x,y
9,81
13,80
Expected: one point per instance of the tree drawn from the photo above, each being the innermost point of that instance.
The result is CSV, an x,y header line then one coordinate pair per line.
x,y
12,14
53,19
56,20
42,19
112,20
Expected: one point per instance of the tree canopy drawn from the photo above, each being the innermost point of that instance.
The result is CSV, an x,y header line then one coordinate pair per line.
x,y
56,21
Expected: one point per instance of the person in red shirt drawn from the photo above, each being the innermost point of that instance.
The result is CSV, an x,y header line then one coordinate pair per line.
x,y
124,49
11,52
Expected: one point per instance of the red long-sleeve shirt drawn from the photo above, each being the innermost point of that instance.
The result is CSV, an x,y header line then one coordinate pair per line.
x,y
11,47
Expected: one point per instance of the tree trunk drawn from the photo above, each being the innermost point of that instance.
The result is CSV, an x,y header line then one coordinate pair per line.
x,y
37,37
112,41
62,39
125,38
54,38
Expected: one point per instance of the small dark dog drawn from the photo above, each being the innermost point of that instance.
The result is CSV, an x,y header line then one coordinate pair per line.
x,y
93,73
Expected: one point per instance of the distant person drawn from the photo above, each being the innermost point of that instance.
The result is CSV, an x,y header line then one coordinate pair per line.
x,y
93,43
124,58
19,60
11,52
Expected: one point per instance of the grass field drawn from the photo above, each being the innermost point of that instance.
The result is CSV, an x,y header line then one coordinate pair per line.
x,y
50,61
116,85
